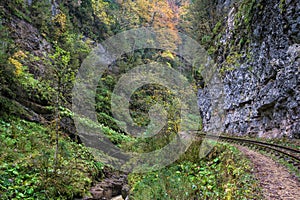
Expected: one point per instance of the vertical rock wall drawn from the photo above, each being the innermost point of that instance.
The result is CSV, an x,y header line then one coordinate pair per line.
x,y
262,93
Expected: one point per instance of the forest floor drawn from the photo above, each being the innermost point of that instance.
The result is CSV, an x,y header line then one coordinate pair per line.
x,y
275,180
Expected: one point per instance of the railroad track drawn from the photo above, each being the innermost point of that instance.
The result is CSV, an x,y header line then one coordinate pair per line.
x,y
290,155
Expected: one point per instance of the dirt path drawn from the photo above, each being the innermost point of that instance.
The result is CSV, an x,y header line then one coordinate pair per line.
x,y
276,182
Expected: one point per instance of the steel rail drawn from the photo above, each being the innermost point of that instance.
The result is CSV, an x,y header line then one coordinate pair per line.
x,y
287,151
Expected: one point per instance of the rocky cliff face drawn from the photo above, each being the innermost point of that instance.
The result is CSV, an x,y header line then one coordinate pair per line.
x,y
262,92
28,102
27,37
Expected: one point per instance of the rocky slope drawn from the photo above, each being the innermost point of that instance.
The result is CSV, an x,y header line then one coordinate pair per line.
x,y
262,90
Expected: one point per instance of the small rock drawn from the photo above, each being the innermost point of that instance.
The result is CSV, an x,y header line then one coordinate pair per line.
x,y
97,193
118,198
125,191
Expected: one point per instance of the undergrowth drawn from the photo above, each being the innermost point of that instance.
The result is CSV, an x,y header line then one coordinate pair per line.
x,y
223,174
27,166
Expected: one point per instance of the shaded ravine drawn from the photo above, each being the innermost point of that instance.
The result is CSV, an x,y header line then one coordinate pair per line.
x,y
275,180
114,186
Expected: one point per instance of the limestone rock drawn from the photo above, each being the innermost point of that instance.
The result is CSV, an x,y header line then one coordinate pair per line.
x,y
262,93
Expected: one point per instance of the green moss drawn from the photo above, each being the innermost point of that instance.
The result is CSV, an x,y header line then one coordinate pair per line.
x,y
282,6
225,69
206,39
217,27
241,36
10,107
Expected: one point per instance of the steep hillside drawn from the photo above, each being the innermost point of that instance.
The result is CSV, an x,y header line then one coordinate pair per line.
x,y
43,45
